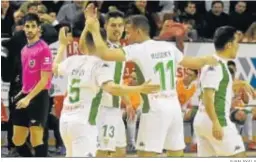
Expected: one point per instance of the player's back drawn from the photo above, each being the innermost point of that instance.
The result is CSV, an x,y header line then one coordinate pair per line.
x,y
219,79
157,61
82,87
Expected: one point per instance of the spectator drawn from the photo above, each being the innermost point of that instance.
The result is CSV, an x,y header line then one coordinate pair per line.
x,y
54,6
240,19
226,5
79,20
32,8
45,17
214,19
190,15
119,5
26,5
167,8
18,21
250,35
200,6
7,19
139,7
69,11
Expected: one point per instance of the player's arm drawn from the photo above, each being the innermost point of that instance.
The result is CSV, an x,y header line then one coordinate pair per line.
x,y
60,53
106,53
123,90
197,62
208,100
82,42
193,62
103,78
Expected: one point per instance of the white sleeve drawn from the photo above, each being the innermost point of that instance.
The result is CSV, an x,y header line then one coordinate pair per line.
x,y
178,55
102,73
64,66
211,77
132,52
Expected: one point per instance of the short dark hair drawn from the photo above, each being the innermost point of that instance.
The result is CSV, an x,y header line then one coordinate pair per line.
x,y
94,2
89,38
32,4
114,14
222,36
140,22
189,2
231,63
32,17
194,70
241,2
214,2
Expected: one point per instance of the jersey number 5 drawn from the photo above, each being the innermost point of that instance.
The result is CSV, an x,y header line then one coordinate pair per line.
x,y
163,68
74,90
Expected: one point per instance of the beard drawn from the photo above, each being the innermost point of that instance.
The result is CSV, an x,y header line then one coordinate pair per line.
x,y
30,36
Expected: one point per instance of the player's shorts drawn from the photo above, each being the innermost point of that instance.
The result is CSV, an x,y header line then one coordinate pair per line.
x,y
35,114
81,138
161,128
111,129
208,146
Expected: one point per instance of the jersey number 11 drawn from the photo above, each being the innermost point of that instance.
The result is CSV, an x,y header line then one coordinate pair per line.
x,y
163,69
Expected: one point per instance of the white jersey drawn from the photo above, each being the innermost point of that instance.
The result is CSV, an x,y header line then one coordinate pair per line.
x,y
219,79
86,74
117,69
156,61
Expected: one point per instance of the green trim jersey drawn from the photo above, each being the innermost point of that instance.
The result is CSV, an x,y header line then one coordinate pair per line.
x,y
86,75
219,79
156,61
117,69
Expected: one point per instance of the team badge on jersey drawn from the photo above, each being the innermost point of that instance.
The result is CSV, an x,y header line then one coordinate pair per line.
x,y
105,65
32,63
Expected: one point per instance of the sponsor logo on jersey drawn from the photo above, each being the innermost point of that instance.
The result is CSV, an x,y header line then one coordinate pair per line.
x,y
47,60
105,65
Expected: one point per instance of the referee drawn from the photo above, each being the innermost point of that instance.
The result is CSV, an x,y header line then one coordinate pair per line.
x,y
30,115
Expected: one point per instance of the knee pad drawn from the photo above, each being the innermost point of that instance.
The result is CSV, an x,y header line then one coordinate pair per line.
x,y
18,140
19,136
36,136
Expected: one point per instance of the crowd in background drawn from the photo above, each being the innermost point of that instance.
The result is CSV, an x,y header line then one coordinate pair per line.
x,y
199,18
169,20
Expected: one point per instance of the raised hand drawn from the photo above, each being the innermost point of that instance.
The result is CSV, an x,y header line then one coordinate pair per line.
x,y
92,23
147,88
62,36
89,11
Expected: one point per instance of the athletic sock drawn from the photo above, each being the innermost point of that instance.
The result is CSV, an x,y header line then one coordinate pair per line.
x,y
24,150
41,151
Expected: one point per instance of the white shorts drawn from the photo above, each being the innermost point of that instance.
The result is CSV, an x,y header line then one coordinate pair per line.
x,y
79,138
208,146
111,129
161,128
